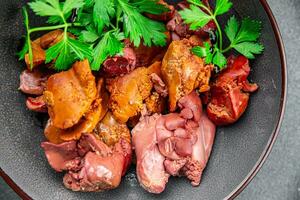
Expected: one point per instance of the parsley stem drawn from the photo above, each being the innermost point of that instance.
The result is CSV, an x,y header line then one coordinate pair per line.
x,y
220,34
28,40
206,9
217,24
47,28
227,49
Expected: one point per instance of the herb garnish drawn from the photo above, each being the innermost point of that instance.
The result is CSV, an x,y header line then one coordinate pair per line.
x,y
100,27
242,36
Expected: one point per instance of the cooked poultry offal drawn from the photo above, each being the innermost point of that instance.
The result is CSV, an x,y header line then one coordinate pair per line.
x,y
161,103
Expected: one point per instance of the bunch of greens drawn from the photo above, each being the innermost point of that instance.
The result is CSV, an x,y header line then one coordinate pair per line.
x,y
243,36
100,27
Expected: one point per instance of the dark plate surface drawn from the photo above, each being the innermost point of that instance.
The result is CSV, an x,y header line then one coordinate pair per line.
x,y
238,152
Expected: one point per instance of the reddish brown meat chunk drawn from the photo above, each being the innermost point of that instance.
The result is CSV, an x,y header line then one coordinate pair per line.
x,y
36,104
180,30
183,72
145,56
33,82
69,95
51,38
166,16
230,92
120,65
90,164
38,55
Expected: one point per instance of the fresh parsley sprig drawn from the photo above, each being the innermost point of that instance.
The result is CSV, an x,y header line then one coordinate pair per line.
x,y
242,36
100,28
67,50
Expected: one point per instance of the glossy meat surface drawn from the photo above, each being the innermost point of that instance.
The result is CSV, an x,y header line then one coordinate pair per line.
x,y
120,65
128,93
230,92
150,162
36,104
70,94
90,164
174,144
51,38
110,131
183,72
38,55
33,82
86,124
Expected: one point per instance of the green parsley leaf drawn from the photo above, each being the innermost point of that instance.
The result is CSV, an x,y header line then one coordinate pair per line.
x,y
219,59
56,11
232,28
195,17
69,5
109,45
196,2
104,10
137,27
244,37
150,6
222,6
46,7
60,52
66,52
88,36
27,44
204,52
249,31
199,51
24,50
248,49
89,3
80,49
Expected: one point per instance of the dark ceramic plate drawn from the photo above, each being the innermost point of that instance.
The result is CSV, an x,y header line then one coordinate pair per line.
x,y
238,153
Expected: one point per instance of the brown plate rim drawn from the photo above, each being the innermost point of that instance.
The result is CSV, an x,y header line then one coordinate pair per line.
x,y
271,141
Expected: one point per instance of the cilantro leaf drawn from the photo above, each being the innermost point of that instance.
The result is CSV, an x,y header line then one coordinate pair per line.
x,y
104,10
137,27
109,45
232,28
222,6
248,49
150,6
195,17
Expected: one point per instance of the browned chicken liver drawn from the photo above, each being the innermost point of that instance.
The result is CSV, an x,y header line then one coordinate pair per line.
x,y
69,95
